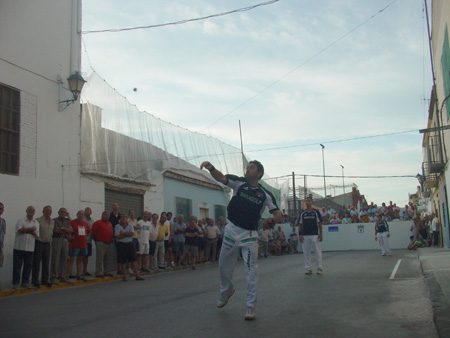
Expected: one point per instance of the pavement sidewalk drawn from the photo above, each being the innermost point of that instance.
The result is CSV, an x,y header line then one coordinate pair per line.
x,y
435,263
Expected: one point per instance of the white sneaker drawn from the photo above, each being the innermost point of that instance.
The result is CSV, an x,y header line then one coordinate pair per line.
x,y
223,300
319,271
308,272
250,314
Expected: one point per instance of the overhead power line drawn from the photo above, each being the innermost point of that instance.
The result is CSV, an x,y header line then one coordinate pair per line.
x,y
244,9
323,50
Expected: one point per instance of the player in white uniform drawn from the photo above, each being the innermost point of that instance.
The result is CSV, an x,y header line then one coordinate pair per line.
x,y
241,233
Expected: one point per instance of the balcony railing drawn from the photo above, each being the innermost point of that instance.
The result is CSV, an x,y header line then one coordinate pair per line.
x,y
435,155
431,180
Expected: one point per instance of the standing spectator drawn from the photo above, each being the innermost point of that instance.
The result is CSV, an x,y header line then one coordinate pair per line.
x,y
90,222
178,240
325,216
212,235
2,233
201,241
159,249
60,247
114,218
191,244
221,225
78,244
126,254
144,242
435,227
136,228
103,236
168,242
331,212
310,233
154,230
382,236
43,248
27,229
241,234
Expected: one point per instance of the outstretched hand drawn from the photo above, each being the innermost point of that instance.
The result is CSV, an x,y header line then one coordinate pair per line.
x,y
206,165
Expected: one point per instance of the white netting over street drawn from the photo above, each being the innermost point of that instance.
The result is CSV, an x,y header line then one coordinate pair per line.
x,y
119,140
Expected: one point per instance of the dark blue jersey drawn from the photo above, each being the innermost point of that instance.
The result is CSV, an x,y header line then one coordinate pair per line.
x,y
247,203
381,227
310,222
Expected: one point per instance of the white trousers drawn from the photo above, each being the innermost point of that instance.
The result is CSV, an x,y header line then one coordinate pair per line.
x,y
383,240
311,242
235,239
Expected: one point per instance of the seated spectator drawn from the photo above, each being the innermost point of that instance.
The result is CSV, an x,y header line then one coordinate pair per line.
x,y
280,234
412,245
406,216
372,218
275,248
335,219
341,212
325,216
365,218
355,219
395,212
346,219
293,241
353,211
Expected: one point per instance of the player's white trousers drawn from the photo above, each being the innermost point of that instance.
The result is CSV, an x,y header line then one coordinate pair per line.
x,y
236,238
311,242
383,240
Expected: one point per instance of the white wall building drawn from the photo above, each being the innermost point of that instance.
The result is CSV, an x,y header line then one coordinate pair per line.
x,y
40,44
435,178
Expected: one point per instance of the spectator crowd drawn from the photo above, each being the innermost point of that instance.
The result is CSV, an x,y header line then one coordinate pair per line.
x,y
367,213
48,251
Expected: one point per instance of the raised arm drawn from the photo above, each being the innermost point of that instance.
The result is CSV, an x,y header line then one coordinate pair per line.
x,y
218,176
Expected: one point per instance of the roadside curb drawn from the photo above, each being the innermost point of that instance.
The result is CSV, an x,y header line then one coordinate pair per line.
x,y
439,303
93,280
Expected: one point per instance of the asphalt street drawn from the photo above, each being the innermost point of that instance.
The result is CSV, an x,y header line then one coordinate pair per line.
x,y
360,294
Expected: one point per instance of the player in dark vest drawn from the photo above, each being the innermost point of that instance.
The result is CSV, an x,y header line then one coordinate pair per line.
x,y
241,233
310,235
382,236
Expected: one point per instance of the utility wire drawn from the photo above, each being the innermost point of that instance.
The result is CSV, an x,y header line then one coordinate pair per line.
x,y
244,9
302,64
337,141
188,158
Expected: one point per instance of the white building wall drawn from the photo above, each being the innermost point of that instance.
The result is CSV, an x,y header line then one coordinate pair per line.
x,y
358,236
39,43
441,20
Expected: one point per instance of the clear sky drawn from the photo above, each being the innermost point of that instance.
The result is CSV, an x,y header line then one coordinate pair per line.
x,y
296,73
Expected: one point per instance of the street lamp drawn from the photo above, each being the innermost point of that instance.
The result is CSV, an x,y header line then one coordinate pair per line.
x,y
76,83
323,164
343,185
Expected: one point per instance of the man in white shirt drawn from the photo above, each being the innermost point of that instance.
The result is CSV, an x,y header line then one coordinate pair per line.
x,y
144,246
27,229
435,227
212,236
